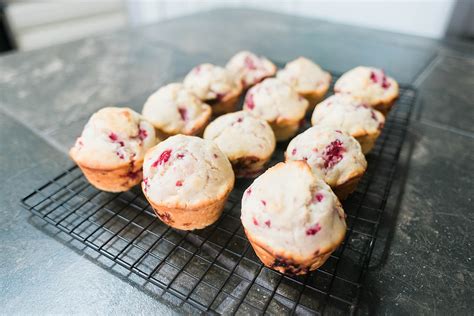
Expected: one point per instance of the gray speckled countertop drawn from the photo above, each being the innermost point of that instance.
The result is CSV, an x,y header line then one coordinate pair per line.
x,y
423,261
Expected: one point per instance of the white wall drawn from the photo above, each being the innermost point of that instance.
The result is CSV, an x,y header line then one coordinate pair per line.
x,y
42,23
37,24
418,17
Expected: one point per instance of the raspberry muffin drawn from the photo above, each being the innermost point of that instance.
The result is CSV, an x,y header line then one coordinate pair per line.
x,y
278,104
333,156
247,141
371,85
350,115
175,110
215,86
111,148
250,68
293,226
187,180
307,78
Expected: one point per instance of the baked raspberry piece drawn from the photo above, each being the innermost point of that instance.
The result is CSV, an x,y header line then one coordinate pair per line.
x,y
318,197
134,174
145,183
113,137
142,134
333,153
249,104
249,63
313,230
379,77
163,158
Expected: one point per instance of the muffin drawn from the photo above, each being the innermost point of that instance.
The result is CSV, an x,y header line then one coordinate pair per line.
x,y
292,218
307,78
247,141
215,86
278,104
175,110
333,156
350,115
111,148
187,180
250,69
371,85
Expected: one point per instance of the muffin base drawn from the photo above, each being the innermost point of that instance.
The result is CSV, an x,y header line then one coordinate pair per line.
x,y
314,97
384,107
197,131
248,167
284,131
114,180
367,142
246,87
189,218
343,190
226,105
288,264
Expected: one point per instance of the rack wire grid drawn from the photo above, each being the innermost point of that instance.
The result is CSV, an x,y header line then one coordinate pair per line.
x,y
215,269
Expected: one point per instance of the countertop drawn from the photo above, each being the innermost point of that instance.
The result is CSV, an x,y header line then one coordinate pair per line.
x,y
423,261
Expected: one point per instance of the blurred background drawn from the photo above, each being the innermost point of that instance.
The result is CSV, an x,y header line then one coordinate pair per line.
x,y
26,25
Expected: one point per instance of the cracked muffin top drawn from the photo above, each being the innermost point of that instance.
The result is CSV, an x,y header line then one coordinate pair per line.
x,y
305,76
186,171
275,101
250,68
113,137
333,156
175,110
369,84
211,83
241,135
348,114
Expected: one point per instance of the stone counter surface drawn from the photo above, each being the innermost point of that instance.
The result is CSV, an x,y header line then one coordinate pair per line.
x,y
423,261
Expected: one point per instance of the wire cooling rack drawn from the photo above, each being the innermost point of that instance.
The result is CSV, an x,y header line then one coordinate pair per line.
x,y
215,269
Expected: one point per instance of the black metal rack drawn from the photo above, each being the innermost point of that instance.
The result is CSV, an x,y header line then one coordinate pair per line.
x,y
215,269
